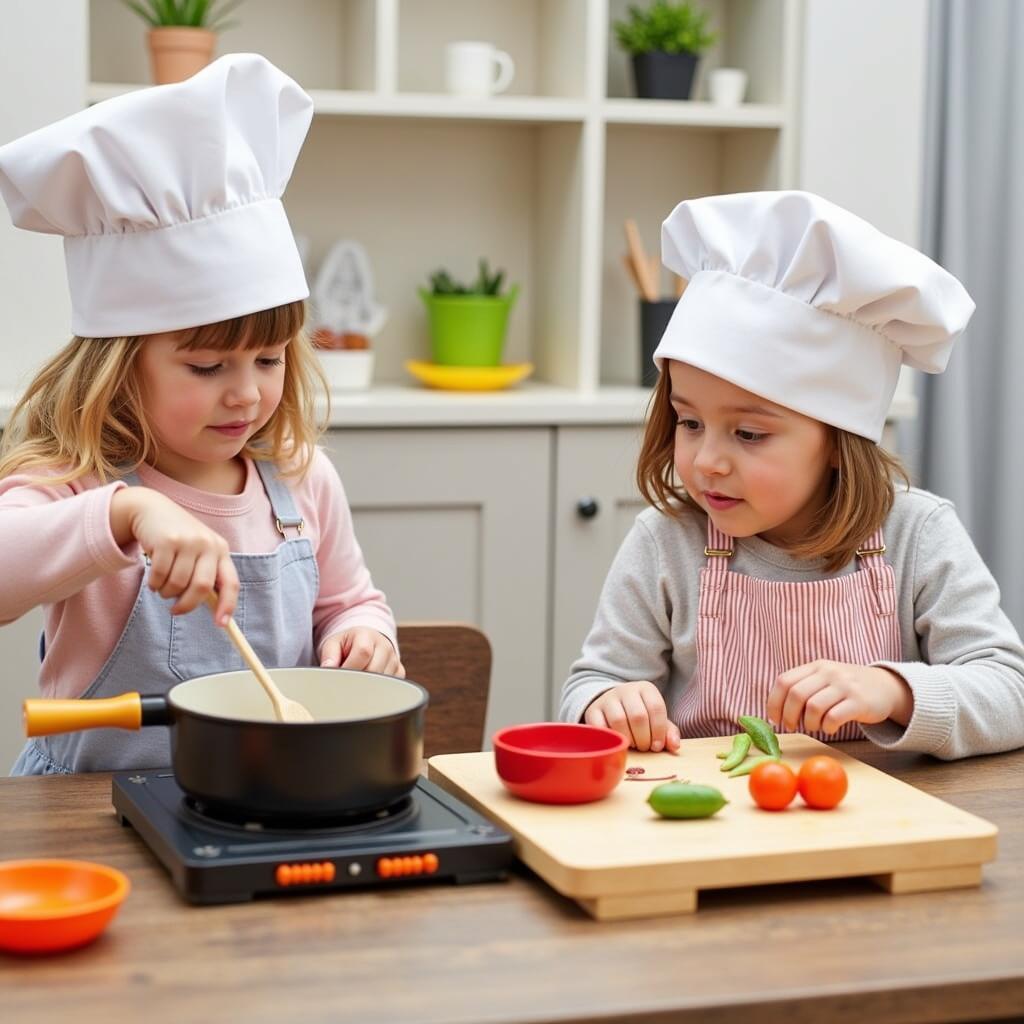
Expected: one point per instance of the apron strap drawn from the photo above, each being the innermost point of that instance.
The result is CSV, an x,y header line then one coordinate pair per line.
x,y
871,553
285,514
718,551
880,573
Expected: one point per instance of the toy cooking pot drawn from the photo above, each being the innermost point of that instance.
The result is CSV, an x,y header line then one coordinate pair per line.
x,y
362,751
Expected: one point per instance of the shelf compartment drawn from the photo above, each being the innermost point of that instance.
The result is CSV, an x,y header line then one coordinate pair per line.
x,y
322,44
535,33
752,34
444,194
647,174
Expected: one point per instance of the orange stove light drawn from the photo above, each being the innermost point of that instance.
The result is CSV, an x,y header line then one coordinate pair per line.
x,y
306,873
409,866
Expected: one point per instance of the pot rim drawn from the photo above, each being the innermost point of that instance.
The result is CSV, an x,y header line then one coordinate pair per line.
x,y
178,709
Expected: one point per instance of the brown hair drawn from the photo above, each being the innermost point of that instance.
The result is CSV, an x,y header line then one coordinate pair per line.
x,y
860,498
83,412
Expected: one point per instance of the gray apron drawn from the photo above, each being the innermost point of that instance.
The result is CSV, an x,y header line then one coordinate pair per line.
x,y
157,650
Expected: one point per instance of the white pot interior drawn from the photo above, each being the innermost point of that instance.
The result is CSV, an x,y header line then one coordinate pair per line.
x,y
330,694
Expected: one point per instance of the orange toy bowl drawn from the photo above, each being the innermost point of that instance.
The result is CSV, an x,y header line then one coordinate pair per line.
x,y
558,762
48,905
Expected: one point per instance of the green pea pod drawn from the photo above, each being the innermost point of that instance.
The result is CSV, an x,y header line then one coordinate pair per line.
x,y
684,800
721,754
740,749
761,733
748,766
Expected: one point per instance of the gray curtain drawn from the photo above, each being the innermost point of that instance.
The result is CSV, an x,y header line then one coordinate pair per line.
x,y
970,435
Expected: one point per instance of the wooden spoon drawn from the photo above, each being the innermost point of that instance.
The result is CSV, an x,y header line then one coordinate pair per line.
x,y
285,709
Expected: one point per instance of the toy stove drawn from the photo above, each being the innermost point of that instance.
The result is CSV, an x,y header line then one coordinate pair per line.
x,y
427,836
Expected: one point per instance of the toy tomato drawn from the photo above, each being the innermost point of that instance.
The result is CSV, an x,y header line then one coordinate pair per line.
x,y
772,785
822,782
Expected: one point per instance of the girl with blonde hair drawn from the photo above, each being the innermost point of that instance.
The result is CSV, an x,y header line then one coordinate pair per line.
x,y
169,451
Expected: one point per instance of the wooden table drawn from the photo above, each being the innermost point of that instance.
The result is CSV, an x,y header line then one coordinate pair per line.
x,y
517,952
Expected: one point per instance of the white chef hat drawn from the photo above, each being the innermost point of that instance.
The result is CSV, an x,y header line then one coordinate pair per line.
x,y
168,199
799,301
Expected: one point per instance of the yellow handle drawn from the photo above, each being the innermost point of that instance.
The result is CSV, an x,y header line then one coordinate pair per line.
x,y
43,717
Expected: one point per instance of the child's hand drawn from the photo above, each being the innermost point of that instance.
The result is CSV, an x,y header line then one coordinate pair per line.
x,y
363,649
636,711
187,559
828,694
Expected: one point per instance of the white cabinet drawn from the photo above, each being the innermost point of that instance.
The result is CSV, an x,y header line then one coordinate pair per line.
x,y
454,525
596,501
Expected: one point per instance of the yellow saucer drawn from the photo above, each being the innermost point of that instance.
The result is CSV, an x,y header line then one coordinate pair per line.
x,y
468,378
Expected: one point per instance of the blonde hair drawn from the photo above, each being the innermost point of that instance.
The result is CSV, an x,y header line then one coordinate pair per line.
x,y
83,412
860,497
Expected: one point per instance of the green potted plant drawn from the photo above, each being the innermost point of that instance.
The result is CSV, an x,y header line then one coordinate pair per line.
x,y
468,323
665,41
182,34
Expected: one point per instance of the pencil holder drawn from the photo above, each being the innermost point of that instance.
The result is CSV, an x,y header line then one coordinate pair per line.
x,y
654,318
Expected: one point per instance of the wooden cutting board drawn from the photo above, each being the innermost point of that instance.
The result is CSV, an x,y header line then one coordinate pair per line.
x,y
618,859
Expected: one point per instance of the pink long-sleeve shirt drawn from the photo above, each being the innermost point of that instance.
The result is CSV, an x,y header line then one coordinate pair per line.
x,y
61,553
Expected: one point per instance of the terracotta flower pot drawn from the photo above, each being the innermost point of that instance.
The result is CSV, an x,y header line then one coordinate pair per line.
x,y
178,53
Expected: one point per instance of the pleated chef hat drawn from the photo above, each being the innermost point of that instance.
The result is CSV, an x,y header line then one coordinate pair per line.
x,y
799,301
168,199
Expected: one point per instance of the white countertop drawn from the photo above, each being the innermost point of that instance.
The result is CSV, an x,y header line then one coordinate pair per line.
x,y
529,404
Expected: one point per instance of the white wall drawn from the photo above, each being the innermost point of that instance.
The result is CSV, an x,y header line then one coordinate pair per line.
x,y
862,121
42,78
862,113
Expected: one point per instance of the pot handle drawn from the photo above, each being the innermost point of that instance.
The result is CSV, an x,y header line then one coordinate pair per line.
x,y
43,717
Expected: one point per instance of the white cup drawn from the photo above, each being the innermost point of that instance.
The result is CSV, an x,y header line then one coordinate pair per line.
x,y
727,86
470,69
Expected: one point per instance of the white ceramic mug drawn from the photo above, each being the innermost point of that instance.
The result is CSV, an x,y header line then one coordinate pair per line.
x,y
470,69
727,86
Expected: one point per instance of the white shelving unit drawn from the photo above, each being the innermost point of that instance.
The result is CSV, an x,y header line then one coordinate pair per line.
x,y
538,180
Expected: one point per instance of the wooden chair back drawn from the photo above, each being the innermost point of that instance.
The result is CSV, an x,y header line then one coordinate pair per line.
x,y
452,662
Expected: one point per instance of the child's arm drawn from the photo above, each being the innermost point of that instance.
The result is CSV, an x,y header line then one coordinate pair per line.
x,y
347,598
630,638
56,540
968,688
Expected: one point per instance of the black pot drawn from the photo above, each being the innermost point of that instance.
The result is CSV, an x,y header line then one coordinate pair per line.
x,y
362,752
664,76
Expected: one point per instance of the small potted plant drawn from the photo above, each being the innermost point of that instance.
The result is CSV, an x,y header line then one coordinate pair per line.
x,y
182,34
468,323
665,41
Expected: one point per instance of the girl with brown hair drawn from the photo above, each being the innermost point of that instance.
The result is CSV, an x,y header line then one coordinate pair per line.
x,y
785,567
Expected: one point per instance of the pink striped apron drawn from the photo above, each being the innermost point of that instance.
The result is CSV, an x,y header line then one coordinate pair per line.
x,y
751,630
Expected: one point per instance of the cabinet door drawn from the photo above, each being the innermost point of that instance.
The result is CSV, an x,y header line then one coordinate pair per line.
x,y
596,501
454,526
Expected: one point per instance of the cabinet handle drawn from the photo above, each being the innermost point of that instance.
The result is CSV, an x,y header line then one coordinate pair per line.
x,y
587,508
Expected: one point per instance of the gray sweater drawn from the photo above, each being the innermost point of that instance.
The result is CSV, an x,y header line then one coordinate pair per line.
x,y
961,656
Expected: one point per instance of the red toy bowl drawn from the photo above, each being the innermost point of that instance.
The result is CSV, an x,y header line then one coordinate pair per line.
x,y
559,763
49,905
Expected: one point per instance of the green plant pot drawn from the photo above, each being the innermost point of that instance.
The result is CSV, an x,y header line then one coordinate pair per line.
x,y
468,330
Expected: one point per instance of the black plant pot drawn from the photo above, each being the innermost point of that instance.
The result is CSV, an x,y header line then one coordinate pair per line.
x,y
664,76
